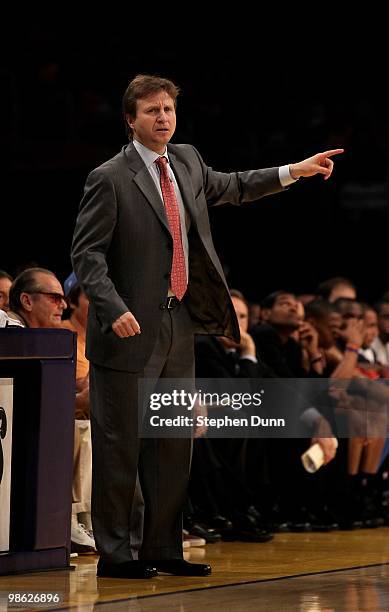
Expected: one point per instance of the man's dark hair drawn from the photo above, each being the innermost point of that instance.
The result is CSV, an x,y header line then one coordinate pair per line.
x,y
25,282
318,309
271,299
325,288
4,274
142,86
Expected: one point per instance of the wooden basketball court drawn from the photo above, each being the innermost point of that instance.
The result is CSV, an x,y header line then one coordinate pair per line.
x,y
294,570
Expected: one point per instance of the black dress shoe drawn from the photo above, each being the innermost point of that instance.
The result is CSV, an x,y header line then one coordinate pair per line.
x,y
209,534
254,512
349,523
323,520
179,567
201,531
246,529
299,520
129,569
254,534
218,522
274,521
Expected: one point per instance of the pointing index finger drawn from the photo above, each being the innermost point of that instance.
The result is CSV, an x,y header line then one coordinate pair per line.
x,y
332,152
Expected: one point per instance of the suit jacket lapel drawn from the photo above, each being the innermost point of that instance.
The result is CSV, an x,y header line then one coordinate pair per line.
x,y
184,183
145,183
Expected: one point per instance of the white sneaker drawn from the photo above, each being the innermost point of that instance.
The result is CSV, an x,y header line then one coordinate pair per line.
x,y
192,540
85,519
81,541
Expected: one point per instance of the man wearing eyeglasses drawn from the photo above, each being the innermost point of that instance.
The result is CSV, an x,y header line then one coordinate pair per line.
x,y
36,299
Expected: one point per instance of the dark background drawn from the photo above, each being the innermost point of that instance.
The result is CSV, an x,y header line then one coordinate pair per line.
x,y
60,116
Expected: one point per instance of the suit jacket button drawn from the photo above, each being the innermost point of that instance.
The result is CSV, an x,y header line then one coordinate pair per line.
x,y
162,306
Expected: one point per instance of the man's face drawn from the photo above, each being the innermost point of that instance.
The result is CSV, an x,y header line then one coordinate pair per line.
x,y
44,308
383,319
254,314
81,309
371,327
351,310
155,121
335,323
323,325
5,285
284,312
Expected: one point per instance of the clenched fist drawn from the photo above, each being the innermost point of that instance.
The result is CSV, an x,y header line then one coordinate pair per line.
x,y
126,325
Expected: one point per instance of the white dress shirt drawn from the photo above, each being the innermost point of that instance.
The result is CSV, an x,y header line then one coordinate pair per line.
x,y
149,158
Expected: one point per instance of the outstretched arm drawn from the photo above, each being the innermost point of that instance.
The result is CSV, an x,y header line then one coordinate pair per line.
x,y
317,164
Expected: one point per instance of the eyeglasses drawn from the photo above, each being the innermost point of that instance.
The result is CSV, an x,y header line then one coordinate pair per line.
x,y
58,298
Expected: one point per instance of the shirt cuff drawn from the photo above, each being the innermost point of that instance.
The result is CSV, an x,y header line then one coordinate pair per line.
x,y
249,357
285,176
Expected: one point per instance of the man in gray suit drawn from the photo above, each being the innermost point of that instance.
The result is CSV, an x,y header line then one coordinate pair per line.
x,y
143,253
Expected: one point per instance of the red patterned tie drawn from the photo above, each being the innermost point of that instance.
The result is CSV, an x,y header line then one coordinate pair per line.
x,y
178,280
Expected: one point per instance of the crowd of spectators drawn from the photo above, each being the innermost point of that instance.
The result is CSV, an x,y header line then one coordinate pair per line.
x,y
248,489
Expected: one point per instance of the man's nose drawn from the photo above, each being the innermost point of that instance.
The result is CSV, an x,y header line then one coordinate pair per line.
x,y
162,116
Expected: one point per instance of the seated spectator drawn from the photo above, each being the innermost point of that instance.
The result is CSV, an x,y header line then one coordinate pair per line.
x,y
276,344
78,306
37,301
289,357
364,403
381,343
220,467
318,313
367,354
329,326
82,463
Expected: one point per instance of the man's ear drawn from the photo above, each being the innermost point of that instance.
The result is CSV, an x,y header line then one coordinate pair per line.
x,y
25,300
130,120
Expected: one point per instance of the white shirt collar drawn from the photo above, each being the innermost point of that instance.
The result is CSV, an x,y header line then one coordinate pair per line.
x,y
149,157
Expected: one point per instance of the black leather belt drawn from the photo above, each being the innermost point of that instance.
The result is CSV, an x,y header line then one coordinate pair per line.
x,y
171,302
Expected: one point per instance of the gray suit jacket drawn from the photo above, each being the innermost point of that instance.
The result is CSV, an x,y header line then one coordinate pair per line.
x,y
122,250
